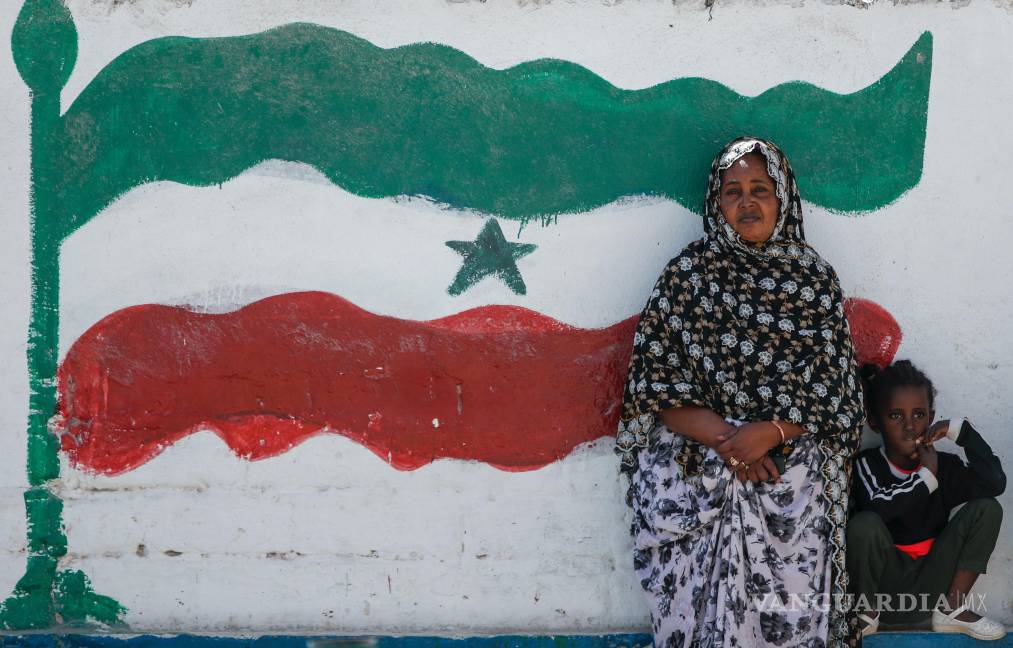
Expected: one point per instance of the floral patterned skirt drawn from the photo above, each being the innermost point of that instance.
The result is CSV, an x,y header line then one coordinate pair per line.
x,y
726,563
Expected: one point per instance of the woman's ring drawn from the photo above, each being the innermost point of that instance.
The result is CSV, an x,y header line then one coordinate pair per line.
x,y
734,462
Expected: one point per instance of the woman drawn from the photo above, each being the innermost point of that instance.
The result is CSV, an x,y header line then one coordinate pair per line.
x,y
741,411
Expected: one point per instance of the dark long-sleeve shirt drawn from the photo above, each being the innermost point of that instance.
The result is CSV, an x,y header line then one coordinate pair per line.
x,y
916,506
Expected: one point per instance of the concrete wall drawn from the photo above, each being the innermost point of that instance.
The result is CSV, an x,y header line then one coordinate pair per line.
x,y
450,483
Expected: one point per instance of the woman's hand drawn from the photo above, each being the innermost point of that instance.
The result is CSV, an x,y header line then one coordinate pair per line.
x,y
748,443
763,470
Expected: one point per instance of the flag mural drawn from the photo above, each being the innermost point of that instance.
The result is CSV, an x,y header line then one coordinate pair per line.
x,y
452,219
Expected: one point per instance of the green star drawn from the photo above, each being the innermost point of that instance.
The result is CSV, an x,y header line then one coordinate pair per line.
x,y
489,254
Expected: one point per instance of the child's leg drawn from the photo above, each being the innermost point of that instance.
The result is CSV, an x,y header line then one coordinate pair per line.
x,y
875,568
961,553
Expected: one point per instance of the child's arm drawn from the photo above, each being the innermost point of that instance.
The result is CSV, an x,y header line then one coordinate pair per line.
x,y
874,492
983,475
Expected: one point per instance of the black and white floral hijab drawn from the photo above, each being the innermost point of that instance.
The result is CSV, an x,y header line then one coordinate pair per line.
x,y
751,331
788,229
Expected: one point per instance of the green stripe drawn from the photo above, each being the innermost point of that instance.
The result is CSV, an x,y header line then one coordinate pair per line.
x,y
538,139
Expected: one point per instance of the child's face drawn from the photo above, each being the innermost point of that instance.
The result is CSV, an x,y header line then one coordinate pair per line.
x,y
904,418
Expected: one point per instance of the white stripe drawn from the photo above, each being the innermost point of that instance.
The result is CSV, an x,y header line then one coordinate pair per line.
x,y
929,478
953,431
889,492
865,482
283,227
872,475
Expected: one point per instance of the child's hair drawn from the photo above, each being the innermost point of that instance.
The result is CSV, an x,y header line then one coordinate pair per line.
x,y
880,383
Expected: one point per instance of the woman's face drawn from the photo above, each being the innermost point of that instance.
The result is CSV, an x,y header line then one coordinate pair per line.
x,y
748,202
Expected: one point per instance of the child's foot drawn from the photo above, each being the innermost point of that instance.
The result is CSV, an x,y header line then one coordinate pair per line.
x,y
967,622
869,622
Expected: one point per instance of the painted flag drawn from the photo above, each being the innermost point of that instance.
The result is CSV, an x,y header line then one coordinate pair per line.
x,y
422,119
429,257
509,385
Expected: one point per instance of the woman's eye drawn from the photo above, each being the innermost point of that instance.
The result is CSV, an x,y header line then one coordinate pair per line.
x,y
919,414
895,416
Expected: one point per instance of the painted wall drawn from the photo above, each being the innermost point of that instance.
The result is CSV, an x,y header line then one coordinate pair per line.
x,y
328,322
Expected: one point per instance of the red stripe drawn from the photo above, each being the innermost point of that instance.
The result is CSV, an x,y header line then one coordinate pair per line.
x,y
508,386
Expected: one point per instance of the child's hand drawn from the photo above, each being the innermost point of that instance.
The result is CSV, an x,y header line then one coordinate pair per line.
x,y
927,456
937,431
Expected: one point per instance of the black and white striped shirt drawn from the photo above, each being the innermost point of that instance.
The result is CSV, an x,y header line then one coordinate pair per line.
x,y
916,505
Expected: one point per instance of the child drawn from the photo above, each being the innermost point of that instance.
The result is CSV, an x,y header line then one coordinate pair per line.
x,y
902,544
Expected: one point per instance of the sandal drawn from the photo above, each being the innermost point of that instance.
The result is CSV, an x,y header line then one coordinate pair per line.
x,y
984,628
871,624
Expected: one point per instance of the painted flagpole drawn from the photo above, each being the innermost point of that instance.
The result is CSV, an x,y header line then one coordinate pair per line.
x,y
44,44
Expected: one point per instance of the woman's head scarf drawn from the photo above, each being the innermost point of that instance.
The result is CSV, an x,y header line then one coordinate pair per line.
x,y
789,221
753,332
